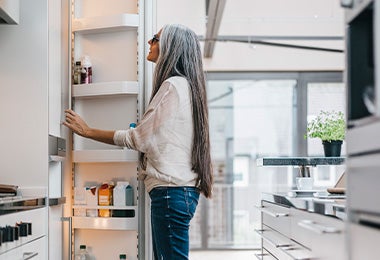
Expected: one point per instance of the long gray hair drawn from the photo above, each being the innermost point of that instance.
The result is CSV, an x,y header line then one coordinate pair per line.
x,y
180,55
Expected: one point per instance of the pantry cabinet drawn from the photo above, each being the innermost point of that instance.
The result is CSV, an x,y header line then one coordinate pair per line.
x,y
112,37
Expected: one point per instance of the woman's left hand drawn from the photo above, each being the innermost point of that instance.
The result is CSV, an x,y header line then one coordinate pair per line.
x,y
76,123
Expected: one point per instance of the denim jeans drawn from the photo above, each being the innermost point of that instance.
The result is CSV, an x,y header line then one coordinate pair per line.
x,y
172,208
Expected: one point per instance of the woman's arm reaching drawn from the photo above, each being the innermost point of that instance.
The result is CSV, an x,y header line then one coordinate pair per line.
x,y
80,127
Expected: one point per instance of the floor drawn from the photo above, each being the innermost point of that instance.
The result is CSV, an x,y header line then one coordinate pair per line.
x,y
222,255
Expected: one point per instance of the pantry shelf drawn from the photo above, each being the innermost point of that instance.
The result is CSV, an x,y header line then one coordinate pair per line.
x,y
104,24
122,155
106,89
104,207
106,223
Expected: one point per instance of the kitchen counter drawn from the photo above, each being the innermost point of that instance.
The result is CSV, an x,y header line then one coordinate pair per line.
x,y
18,203
328,207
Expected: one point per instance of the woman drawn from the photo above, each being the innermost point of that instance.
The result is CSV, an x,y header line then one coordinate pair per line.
x,y
173,138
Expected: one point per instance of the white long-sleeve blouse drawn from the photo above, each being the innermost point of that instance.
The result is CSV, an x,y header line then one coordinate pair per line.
x,y
165,135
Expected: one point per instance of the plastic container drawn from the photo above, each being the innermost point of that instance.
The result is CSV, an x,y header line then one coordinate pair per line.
x,y
83,253
119,196
129,197
86,72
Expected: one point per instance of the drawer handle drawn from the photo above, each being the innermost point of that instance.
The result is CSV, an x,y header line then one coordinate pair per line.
x,y
263,256
270,241
271,213
29,255
317,228
288,252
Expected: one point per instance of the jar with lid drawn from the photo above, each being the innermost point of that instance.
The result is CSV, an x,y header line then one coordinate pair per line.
x,y
122,257
86,72
77,72
83,253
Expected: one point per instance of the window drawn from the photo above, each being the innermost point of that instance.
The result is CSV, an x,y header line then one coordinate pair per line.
x,y
252,115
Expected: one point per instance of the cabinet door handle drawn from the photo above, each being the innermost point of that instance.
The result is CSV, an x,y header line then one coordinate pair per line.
x,y
317,228
70,220
288,252
272,213
29,255
263,256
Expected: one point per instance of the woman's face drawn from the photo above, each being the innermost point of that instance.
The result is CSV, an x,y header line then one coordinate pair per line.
x,y
154,49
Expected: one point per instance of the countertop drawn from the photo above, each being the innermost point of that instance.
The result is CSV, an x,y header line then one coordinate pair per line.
x,y
328,207
17,203
299,161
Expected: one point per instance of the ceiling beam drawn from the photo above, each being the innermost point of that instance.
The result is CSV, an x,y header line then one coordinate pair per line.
x,y
269,40
214,10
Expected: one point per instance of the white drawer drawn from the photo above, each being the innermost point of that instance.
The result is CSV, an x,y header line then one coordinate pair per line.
x,y
34,250
276,217
324,235
38,218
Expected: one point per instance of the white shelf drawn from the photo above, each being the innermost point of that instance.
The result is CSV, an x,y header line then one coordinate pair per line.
x,y
77,206
106,89
106,223
103,24
122,155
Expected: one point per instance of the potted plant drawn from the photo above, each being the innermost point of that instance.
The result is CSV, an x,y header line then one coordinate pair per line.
x,y
330,127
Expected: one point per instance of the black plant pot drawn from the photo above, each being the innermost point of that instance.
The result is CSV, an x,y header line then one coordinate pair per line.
x,y
332,148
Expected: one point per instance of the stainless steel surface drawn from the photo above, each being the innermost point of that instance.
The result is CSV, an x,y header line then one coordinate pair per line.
x,y
57,201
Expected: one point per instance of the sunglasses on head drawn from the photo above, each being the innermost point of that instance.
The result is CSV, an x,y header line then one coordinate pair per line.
x,y
155,39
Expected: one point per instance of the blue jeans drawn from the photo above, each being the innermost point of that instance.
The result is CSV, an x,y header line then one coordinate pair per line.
x,y
172,208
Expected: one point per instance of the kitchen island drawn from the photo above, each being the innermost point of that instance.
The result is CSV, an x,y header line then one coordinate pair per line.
x,y
298,226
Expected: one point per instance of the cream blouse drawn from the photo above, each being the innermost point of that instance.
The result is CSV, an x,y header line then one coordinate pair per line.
x,y
165,135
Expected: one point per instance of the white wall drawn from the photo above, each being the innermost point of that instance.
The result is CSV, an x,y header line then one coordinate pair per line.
x,y
265,18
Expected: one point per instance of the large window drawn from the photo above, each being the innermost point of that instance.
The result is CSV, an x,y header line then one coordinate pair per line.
x,y
251,115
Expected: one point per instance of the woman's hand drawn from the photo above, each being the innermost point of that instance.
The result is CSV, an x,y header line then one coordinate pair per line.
x,y
76,123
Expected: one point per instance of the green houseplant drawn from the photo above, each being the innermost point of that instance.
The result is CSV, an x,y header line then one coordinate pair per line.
x,y
330,127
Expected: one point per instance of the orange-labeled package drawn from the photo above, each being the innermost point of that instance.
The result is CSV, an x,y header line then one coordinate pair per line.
x,y
105,198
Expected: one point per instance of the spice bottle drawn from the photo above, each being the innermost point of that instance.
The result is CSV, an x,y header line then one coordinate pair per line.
x,y
86,72
77,72
83,253
122,257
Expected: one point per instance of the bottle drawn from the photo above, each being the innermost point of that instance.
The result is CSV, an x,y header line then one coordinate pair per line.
x,y
86,72
119,193
132,125
77,72
129,198
82,254
123,257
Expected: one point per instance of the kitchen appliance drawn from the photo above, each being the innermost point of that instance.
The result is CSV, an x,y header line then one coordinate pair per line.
x,y
363,146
